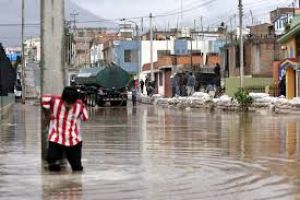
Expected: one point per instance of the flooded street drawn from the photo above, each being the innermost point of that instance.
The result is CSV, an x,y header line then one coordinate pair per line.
x,y
155,153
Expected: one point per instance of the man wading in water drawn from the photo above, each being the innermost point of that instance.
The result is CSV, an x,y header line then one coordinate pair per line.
x,y
65,113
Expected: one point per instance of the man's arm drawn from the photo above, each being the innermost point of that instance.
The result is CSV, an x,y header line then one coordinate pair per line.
x,y
46,106
83,111
46,101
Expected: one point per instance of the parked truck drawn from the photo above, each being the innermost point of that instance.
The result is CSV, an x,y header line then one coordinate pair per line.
x,y
105,85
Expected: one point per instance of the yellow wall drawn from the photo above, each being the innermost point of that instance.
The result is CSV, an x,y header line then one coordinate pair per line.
x,y
290,83
291,48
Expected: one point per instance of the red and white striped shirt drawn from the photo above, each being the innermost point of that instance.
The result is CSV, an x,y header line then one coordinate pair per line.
x,y
64,127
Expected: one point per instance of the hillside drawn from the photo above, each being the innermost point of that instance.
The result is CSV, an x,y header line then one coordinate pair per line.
x,y
10,34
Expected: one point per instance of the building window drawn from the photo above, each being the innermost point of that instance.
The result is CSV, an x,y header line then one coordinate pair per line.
x,y
127,55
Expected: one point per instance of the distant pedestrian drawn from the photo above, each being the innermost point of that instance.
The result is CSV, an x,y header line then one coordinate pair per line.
x,y
147,83
65,113
282,87
133,96
178,82
184,80
142,85
217,79
190,84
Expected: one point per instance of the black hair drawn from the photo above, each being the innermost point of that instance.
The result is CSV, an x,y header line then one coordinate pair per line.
x,y
69,95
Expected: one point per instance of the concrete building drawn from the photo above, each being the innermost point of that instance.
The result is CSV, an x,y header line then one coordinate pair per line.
x,y
83,40
126,31
201,51
281,19
32,49
288,69
260,50
123,53
97,48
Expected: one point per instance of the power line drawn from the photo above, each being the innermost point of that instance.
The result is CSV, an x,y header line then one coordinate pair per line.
x,y
260,11
187,10
173,12
30,24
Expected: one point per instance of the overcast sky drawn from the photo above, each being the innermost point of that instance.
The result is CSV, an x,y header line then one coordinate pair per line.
x,y
213,12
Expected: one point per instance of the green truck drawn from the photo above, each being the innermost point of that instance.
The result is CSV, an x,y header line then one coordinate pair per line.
x,y
102,86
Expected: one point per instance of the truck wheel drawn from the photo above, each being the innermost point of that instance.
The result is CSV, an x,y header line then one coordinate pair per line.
x,y
88,99
92,100
115,103
124,103
101,103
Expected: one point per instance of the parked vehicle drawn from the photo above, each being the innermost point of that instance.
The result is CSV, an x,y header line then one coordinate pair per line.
x,y
18,90
103,85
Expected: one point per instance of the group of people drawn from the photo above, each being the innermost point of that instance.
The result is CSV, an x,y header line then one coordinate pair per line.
x,y
183,84
148,85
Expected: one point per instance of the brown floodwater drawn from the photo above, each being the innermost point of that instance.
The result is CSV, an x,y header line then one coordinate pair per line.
x,y
153,153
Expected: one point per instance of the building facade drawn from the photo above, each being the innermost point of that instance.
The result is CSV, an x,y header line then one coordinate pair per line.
x,y
289,71
260,51
281,19
123,53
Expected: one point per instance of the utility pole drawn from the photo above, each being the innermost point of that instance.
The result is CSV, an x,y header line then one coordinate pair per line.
x,y
201,41
52,58
23,55
73,16
241,45
139,55
191,54
142,25
181,14
85,48
151,48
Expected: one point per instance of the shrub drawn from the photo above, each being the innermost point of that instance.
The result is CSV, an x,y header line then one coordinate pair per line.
x,y
243,97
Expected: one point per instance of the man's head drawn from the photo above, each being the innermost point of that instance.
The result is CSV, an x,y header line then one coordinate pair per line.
x,y
69,96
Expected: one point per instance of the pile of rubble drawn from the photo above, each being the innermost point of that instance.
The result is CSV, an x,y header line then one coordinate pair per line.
x,y
204,100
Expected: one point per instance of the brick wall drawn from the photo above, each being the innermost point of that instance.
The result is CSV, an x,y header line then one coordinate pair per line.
x,y
168,85
212,60
186,60
269,52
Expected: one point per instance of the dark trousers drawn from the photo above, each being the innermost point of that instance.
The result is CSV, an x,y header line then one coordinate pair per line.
x,y
73,155
133,100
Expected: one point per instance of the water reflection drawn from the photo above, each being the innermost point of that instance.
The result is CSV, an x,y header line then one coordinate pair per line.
x,y
62,187
146,152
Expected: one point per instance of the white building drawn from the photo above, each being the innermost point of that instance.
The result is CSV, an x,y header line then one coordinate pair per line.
x,y
32,49
159,47
281,22
280,18
96,54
